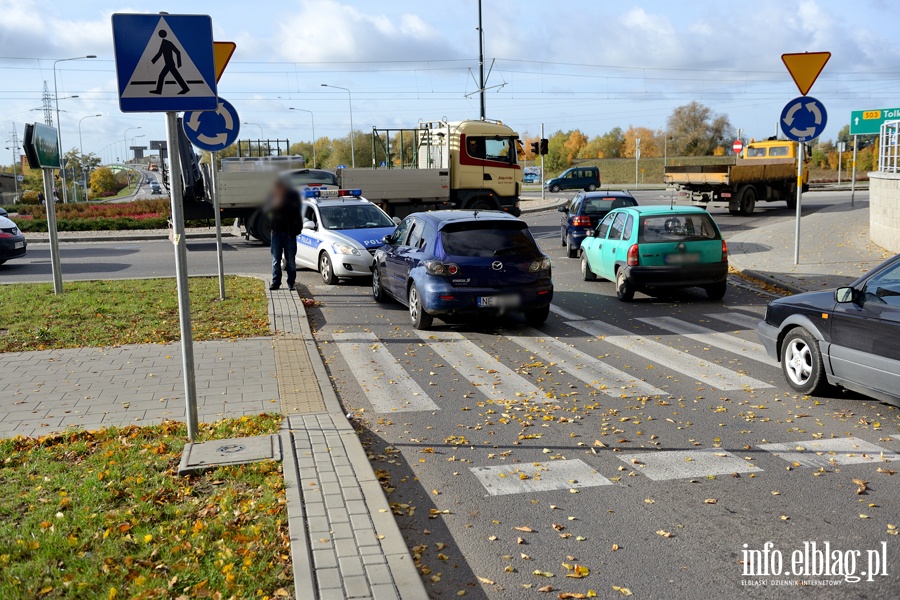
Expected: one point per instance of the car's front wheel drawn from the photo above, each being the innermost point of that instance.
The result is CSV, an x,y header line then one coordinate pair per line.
x,y
326,270
624,288
377,289
801,362
555,189
420,319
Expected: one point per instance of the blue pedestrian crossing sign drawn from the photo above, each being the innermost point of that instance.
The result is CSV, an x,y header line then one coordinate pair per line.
x,y
164,63
803,119
212,130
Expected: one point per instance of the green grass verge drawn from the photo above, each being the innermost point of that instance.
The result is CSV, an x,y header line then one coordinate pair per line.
x,y
103,514
110,313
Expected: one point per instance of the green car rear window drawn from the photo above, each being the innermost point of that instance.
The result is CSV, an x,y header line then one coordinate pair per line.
x,y
677,228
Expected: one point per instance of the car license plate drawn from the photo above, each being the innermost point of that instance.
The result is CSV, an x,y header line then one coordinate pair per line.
x,y
507,301
20,245
682,259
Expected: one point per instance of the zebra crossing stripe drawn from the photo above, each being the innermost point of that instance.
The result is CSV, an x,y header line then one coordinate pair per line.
x,y
492,378
685,464
735,318
538,477
388,387
707,372
585,367
710,337
830,453
565,314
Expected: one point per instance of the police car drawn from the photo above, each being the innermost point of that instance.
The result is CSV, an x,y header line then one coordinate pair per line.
x,y
341,231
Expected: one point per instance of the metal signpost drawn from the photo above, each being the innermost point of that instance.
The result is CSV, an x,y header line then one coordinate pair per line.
x,y
42,151
841,147
803,119
165,63
853,176
542,165
637,158
220,130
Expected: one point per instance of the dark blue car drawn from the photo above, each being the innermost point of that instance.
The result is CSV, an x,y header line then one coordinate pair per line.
x,y
582,214
457,262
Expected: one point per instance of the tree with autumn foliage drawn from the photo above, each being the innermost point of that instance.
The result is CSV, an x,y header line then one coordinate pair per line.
x,y
651,142
573,144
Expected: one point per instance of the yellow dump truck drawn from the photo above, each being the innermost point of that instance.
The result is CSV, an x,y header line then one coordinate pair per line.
x,y
439,165
765,172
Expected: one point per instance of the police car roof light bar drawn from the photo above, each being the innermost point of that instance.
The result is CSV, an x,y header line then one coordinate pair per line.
x,y
308,193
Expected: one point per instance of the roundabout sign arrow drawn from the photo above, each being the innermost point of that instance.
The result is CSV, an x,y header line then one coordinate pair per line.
x,y
803,119
213,130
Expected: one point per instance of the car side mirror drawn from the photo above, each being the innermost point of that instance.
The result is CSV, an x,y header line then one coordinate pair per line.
x,y
844,295
396,220
388,239
590,233
563,209
309,225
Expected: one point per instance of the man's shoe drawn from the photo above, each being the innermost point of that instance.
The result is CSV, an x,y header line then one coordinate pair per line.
x,y
290,286
274,286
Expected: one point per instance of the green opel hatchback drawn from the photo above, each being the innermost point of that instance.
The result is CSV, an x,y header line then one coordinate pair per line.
x,y
650,248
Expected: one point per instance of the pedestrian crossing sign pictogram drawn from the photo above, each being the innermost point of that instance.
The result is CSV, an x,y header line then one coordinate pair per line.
x,y
164,63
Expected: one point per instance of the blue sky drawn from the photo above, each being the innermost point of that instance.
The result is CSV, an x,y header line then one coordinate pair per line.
x,y
585,64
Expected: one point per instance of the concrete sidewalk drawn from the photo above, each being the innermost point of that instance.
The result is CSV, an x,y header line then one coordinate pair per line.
x,y
834,249
345,542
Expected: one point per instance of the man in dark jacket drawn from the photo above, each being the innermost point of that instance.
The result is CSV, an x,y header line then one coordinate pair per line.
x,y
284,219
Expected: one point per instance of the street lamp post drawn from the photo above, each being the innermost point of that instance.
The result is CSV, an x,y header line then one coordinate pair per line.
x,y
125,153
84,186
261,134
313,119
350,104
58,124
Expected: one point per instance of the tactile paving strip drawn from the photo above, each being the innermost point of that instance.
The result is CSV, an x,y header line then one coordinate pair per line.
x,y
297,384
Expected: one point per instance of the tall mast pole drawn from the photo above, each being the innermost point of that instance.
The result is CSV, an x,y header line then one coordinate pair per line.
x,y
481,60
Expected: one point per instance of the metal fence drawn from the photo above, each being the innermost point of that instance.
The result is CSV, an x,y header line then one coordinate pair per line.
x,y
889,147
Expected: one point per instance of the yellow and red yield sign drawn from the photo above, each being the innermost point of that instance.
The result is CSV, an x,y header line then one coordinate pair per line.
x,y
222,52
804,67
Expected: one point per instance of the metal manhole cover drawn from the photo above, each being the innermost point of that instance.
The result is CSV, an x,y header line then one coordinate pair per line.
x,y
237,451
229,449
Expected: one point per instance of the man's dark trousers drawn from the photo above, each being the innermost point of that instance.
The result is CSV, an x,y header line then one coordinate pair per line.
x,y
284,243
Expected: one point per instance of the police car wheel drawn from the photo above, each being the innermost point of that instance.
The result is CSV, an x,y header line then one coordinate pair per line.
x,y
326,270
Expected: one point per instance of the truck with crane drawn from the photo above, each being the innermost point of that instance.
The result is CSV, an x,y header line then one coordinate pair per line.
x,y
766,171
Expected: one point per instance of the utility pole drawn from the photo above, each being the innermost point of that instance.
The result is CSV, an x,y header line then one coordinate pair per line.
x,y
15,151
47,101
481,64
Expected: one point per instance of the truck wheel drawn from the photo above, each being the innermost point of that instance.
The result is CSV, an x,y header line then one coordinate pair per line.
x,y
258,226
483,205
554,189
748,201
792,202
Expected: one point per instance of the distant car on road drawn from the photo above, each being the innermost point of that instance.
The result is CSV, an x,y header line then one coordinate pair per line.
x,y
582,214
576,178
657,247
454,262
846,337
12,241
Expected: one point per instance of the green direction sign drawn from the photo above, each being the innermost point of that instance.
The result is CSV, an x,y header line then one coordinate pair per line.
x,y
867,122
43,145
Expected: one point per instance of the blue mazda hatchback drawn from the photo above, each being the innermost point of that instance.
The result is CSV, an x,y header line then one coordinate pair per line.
x,y
457,262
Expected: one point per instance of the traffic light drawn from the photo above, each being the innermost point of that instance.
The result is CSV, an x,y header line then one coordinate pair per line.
x,y
535,147
544,145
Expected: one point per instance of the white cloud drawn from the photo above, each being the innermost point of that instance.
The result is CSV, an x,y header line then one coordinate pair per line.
x,y
326,30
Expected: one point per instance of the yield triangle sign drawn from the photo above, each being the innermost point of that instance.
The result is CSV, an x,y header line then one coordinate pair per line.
x,y
222,52
805,67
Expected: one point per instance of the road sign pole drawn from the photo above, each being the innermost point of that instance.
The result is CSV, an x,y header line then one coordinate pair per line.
x,y
215,197
799,198
853,177
840,160
50,206
542,164
184,301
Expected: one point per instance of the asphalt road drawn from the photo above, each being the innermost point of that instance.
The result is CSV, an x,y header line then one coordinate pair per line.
x,y
631,439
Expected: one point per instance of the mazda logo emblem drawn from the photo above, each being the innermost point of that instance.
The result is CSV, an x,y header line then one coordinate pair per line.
x,y
496,265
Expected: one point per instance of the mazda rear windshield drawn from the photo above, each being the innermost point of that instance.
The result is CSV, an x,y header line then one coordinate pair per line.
x,y
677,228
489,239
